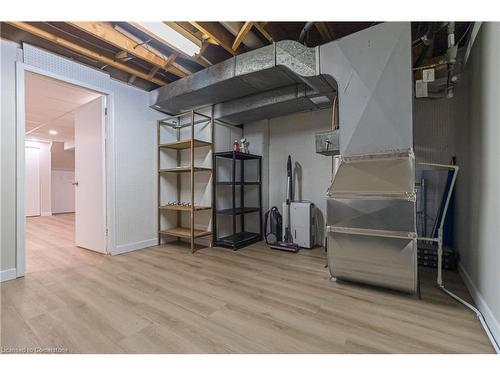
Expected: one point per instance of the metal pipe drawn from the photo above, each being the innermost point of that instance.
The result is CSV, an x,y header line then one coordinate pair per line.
x,y
304,31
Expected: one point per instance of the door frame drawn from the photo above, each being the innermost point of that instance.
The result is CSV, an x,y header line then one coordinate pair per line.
x,y
109,159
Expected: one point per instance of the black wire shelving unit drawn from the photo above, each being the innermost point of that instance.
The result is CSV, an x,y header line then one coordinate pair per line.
x,y
238,238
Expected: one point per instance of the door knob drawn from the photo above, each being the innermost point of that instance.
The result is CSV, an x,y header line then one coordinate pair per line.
x,y
74,183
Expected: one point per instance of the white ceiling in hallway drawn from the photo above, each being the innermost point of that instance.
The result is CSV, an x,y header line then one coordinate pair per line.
x,y
50,105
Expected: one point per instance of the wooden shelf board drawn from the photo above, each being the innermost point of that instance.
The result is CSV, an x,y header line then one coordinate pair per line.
x,y
184,169
178,207
184,232
185,144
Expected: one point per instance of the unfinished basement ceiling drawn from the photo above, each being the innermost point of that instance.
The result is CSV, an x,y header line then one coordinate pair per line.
x,y
130,55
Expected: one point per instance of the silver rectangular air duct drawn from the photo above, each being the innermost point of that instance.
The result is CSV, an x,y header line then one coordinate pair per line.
x,y
278,79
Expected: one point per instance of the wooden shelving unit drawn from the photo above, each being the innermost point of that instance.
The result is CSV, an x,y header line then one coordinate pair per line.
x,y
182,145
179,207
185,232
184,169
177,123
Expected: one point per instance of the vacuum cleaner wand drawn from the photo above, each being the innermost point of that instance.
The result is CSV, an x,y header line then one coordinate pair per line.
x,y
289,197
287,244
289,182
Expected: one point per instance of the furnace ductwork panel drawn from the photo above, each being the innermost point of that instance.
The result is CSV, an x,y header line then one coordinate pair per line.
x,y
371,221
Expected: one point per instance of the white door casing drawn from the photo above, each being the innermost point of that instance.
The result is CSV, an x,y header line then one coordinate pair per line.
x,y
90,197
32,181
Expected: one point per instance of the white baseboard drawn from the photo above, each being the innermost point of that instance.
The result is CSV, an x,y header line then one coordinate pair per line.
x,y
134,246
7,275
481,304
48,213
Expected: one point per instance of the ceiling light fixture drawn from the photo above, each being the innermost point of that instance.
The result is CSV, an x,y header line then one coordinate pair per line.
x,y
166,34
53,132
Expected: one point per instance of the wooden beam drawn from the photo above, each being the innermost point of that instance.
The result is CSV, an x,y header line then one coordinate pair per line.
x,y
185,33
260,28
105,32
153,72
123,56
200,59
83,51
324,31
247,26
218,33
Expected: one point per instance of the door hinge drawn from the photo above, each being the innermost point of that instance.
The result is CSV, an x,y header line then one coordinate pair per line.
x,y
106,232
105,111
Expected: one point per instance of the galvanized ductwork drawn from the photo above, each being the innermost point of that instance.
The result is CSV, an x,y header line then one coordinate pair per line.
x,y
371,202
277,79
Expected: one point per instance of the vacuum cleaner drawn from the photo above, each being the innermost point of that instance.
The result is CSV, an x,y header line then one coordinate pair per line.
x,y
273,237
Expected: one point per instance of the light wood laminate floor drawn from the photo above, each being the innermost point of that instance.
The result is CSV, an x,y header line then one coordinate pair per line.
x,y
255,300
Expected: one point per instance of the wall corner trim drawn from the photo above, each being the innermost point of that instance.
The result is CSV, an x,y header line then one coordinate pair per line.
x,y
481,304
9,274
134,246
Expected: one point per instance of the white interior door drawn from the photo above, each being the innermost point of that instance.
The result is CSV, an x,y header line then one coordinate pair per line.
x,y
63,191
32,181
90,197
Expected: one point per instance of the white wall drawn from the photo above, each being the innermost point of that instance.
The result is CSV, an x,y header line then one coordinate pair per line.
x,y
134,202
136,169
62,159
45,176
477,213
293,135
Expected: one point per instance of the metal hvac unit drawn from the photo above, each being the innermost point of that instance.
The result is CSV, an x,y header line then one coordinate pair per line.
x,y
371,221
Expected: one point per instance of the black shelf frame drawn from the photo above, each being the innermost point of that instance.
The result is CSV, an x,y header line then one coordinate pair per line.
x,y
241,238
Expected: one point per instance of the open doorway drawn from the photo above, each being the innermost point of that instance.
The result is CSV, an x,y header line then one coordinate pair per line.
x,y
65,184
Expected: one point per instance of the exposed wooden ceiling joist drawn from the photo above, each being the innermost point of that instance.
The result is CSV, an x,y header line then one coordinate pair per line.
x,y
324,31
247,26
83,51
105,32
219,34
260,26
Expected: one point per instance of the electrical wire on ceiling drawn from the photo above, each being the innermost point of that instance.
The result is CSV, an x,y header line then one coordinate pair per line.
x,y
428,40
465,33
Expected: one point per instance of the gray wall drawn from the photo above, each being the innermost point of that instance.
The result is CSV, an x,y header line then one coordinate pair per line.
x,y
478,155
279,137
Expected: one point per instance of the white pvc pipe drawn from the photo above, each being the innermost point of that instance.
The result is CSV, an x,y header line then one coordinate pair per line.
x,y
479,316
439,240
